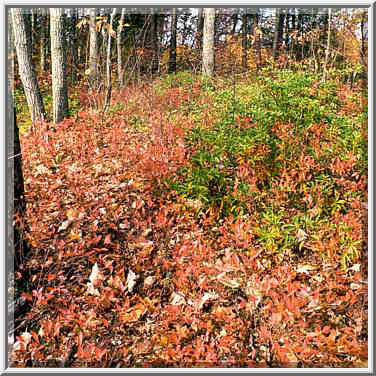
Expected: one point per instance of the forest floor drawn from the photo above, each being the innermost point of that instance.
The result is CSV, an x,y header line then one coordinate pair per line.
x,y
200,224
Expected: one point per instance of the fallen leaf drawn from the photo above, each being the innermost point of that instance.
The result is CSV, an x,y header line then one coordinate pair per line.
x,y
95,275
131,280
355,268
26,337
133,314
306,269
177,299
65,225
227,281
207,296
19,346
92,290
301,235
149,281
147,232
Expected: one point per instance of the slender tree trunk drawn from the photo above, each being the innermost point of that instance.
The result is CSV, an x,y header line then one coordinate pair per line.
x,y
172,60
17,243
108,64
74,31
32,26
235,19
119,48
154,41
208,42
363,49
244,39
277,33
43,39
257,40
59,83
93,54
25,66
325,73
200,28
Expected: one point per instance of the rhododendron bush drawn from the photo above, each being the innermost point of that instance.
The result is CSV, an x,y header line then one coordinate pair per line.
x,y
213,224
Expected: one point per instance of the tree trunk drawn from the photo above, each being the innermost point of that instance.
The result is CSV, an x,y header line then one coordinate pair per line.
x,y
43,39
17,244
277,33
257,40
93,54
325,73
235,19
25,66
172,60
59,84
108,64
244,39
32,26
208,42
363,50
154,41
119,49
74,31
200,28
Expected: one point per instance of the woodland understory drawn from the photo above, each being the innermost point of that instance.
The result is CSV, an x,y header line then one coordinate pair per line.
x,y
160,240
203,202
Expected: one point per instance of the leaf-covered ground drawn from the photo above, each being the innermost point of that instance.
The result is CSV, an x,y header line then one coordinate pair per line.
x,y
195,227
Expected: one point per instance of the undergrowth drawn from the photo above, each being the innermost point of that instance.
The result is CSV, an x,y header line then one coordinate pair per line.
x,y
222,226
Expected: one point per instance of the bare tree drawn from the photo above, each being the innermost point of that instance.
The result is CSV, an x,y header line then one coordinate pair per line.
x,y
59,83
25,65
208,42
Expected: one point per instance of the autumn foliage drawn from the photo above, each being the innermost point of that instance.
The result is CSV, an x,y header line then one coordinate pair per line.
x,y
195,227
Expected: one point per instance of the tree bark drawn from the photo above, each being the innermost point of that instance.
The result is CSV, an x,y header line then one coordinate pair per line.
x,y
208,42
25,66
119,48
244,39
279,17
363,49
325,73
93,54
235,19
257,39
17,243
59,84
43,39
74,46
172,60
154,41
200,28
108,64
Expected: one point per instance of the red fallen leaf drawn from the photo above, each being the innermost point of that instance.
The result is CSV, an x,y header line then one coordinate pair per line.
x,y
35,336
27,296
326,329
51,277
80,339
107,239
